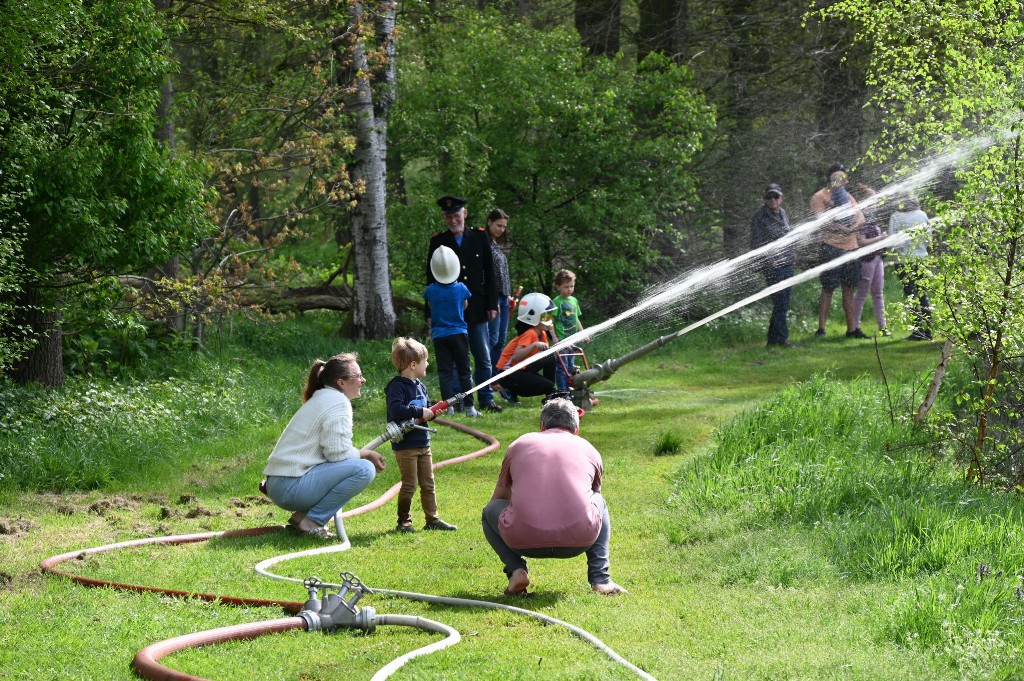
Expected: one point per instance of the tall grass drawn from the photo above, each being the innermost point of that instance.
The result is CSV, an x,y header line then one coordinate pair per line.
x,y
94,432
826,458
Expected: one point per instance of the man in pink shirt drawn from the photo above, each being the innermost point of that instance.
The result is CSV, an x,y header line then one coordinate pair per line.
x,y
548,504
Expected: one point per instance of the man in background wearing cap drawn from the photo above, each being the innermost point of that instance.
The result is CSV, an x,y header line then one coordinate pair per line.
x,y
478,275
837,238
771,223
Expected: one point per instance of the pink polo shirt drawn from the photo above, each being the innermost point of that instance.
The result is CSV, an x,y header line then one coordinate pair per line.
x,y
553,475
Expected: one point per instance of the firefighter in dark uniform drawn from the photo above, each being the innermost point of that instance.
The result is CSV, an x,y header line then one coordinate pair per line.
x,y
474,253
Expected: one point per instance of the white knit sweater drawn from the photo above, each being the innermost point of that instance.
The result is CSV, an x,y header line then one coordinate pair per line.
x,y
320,431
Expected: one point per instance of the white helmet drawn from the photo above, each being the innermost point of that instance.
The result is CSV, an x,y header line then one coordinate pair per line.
x,y
532,306
445,265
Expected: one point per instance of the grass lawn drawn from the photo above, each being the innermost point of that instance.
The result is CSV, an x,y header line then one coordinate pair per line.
x,y
739,602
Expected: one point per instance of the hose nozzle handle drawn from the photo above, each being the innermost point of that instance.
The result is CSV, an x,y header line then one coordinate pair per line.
x,y
440,407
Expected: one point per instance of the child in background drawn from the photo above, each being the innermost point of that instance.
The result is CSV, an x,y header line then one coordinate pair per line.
x,y
567,322
407,399
448,299
531,337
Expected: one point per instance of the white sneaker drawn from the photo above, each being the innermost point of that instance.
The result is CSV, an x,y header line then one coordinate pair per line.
x,y
450,411
472,413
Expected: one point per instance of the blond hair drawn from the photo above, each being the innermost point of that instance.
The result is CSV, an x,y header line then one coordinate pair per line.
x,y
405,351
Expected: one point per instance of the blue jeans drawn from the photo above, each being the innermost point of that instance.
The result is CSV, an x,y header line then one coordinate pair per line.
x,y
322,490
497,333
598,563
480,348
778,329
564,367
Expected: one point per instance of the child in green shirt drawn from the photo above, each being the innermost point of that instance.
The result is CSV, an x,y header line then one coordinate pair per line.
x,y
567,322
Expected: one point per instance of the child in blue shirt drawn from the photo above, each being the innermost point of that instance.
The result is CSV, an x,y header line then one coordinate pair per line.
x,y
407,399
448,299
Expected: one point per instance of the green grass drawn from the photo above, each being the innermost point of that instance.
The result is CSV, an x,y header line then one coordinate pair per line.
x,y
770,521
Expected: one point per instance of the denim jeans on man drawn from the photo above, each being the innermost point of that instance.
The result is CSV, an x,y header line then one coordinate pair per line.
x,y
778,329
480,348
598,563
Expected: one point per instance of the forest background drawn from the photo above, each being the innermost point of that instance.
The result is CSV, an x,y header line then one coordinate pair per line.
x,y
167,164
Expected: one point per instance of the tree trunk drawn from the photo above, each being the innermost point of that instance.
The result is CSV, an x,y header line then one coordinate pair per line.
x,y
165,133
599,23
373,315
44,362
662,29
740,111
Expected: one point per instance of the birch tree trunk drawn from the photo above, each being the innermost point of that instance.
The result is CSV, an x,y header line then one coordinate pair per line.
x,y
373,314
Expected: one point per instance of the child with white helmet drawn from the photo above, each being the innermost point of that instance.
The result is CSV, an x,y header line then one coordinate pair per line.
x,y
533,329
448,299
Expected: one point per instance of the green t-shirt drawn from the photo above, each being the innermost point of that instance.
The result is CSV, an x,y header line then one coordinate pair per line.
x,y
567,316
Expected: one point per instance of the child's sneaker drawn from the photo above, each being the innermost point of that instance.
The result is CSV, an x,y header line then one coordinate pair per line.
x,y
440,525
471,412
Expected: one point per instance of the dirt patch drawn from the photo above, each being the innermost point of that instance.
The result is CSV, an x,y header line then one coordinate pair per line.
x,y
198,512
11,526
249,501
105,507
186,499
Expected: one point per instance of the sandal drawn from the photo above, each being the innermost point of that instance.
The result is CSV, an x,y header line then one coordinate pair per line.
x,y
319,533
296,520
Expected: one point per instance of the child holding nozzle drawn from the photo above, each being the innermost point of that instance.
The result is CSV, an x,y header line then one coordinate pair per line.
x,y
407,399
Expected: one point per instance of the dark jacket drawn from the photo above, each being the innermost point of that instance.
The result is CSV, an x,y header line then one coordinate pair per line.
x,y
406,399
767,226
477,271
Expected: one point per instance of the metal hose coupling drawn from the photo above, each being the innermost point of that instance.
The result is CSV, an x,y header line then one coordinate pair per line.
x,y
331,611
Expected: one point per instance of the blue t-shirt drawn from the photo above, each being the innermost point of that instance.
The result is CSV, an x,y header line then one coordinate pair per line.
x,y
447,308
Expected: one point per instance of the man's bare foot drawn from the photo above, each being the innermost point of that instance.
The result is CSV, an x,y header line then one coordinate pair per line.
x,y
608,589
517,583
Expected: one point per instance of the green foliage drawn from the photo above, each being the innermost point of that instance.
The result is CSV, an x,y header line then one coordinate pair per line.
x,y
14,338
90,190
105,195
945,71
588,156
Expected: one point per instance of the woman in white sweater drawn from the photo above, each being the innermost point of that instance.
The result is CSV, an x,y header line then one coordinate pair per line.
x,y
314,469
